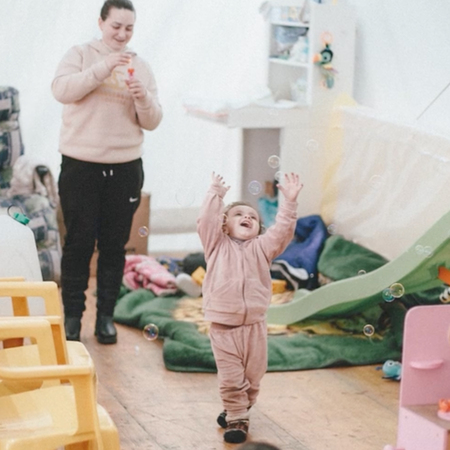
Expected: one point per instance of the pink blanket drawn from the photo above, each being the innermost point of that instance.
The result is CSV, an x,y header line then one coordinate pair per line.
x,y
146,272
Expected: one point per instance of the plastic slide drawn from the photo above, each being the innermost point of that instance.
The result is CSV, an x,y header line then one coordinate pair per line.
x,y
423,266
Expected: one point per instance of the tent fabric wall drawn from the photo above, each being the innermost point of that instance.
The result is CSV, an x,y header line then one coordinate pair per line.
x,y
391,183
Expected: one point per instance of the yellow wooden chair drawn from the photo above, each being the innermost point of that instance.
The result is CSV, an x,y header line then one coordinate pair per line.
x,y
19,292
63,410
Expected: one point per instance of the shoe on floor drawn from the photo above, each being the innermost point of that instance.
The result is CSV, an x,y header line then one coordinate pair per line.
x,y
222,419
72,327
105,330
236,431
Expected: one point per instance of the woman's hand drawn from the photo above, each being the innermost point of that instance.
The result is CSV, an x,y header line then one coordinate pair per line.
x,y
136,89
291,187
117,59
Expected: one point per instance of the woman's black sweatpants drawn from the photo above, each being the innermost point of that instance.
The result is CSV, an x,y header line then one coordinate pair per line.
x,y
98,202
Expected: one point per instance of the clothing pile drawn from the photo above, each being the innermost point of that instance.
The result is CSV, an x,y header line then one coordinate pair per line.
x,y
146,272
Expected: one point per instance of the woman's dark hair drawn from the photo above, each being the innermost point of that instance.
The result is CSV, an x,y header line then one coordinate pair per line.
x,y
119,4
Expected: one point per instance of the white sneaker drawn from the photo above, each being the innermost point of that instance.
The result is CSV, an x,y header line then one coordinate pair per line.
x,y
186,284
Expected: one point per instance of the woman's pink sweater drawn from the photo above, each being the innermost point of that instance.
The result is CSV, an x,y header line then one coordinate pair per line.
x,y
101,122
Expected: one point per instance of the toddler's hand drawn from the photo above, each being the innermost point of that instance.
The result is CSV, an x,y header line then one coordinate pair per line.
x,y
291,187
217,180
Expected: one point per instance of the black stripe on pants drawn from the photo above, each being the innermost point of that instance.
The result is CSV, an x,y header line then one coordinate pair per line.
x,y
98,202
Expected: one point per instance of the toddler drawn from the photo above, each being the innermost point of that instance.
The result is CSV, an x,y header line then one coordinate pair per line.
x,y
237,292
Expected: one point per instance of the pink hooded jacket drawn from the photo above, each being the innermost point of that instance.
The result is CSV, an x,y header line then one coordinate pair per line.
x,y
237,286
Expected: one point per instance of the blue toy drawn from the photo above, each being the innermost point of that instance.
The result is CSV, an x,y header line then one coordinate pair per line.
x,y
392,370
323,60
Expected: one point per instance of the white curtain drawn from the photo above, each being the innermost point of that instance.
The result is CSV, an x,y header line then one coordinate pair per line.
x,y
391,182
210,49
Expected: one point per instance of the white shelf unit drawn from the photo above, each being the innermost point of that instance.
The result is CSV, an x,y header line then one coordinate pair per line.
x,y
274,130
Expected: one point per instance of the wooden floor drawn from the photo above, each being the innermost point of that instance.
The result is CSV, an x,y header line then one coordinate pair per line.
x,y
153,408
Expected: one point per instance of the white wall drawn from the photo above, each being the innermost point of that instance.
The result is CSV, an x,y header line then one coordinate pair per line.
x,y
216,49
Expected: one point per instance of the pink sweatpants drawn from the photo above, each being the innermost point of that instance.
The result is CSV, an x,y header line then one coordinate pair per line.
x,y
241,359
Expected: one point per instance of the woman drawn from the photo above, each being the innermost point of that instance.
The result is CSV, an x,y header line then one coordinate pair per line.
x,y
109,96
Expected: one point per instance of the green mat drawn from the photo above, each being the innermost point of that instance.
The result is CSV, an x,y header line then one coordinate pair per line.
x,y
309,344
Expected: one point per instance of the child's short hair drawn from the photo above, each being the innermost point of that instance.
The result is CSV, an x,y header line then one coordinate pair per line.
x,y
240,203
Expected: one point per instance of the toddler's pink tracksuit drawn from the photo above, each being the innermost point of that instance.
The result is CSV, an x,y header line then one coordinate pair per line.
x,y
236,294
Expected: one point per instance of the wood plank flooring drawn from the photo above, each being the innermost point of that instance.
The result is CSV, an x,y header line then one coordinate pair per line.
x,y
153,408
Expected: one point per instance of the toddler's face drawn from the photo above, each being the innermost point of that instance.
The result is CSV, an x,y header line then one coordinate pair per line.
x,y
242,222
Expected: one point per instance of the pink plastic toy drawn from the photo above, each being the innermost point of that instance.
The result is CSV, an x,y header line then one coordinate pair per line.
x,y
425,382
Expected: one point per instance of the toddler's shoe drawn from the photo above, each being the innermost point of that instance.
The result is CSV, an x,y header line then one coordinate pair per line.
x,y
236,431
222,419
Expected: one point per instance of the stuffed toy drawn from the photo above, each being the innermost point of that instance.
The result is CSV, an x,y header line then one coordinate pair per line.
x,y
324,59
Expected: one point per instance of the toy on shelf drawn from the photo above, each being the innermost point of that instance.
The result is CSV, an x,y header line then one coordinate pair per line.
x,y
444,408
324,59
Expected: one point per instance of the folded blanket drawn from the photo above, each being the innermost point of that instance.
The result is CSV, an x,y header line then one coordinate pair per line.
x,y
142,271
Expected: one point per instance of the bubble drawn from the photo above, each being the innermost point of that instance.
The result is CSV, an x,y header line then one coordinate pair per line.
x,y
376,181
185,197
279,176
361,272
419,249
387,295
143,231
312,145
369,330
311,275
254,187
274,161
150,332
332,228
427,251
397,290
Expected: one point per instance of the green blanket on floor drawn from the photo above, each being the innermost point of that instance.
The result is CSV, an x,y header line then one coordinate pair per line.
x,y
309,344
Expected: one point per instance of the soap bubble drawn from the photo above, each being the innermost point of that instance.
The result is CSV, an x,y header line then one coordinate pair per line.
x,y
185,197
387,295
419,249
397,290
312,145
150,332
375,182
254,187
279,176
369,330
332,228
274,161
361,272
427,251
143,231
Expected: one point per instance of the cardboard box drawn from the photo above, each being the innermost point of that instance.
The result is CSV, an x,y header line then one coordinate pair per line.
x,y
138,242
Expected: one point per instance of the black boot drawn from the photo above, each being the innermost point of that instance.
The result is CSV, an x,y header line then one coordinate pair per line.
x,y
105,330
72,325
